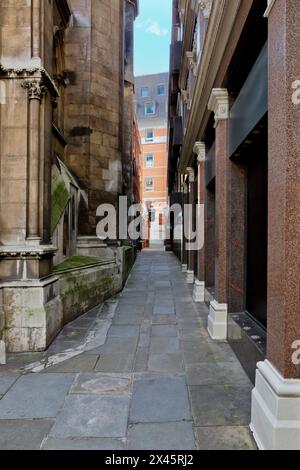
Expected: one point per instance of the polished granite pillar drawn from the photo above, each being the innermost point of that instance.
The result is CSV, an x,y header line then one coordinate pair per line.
x,y
276,397
199,284
190,274
217,320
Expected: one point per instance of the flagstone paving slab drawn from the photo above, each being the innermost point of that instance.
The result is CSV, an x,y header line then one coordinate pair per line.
x,y
6,381
160,400
35,396
92,416
161,436
115,362
90,443
24,434
224,438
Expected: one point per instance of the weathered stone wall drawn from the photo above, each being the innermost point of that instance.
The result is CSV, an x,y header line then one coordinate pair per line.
x,y
94,102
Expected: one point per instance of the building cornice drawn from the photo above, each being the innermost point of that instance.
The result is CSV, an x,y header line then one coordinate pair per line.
x,y
187,43
221,22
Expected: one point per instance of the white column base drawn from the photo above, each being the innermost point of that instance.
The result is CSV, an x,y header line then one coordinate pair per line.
x,y
190,276
184,268
275,416
2,353
217,320
199,291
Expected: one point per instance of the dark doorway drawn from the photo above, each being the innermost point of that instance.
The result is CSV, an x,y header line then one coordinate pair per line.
x,y
257,226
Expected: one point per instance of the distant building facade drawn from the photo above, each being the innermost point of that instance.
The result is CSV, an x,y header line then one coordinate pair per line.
x,y
234,149
66,145
151,108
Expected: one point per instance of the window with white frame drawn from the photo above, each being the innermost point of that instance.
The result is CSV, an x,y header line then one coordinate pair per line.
x,y
149,184
149,160
149,135
149,108
160,89
144,92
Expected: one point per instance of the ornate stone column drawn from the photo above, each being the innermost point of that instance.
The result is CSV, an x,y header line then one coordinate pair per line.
x,y
190,275
217,320
199,284
275,419
36,91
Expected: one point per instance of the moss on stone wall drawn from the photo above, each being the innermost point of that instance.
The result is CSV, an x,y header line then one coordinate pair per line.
x,y
92,288
76,262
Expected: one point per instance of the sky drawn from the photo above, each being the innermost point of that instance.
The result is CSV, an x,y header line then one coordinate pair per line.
x,y
153,37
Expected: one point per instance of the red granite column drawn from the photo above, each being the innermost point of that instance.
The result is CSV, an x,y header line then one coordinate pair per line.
x,y
191,202
284,182
199,285
217,320
275,419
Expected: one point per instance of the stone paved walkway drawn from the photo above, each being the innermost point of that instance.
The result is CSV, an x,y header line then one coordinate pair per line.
x,y
139,372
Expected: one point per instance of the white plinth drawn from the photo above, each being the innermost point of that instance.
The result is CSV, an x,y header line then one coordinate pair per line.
x,y
199,291
217,320
275,416
184,268
2,353
190,276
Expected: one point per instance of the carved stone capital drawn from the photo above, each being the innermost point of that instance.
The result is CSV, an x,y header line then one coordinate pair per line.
x,y
191,174
219,104
186,98
35,88
191,59
200,151
205,6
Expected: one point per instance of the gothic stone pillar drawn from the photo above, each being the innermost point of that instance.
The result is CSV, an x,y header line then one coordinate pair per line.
x,y
276,398
199,284
217,320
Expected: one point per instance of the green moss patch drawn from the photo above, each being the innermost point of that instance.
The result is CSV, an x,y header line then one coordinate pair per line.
x,y
93,288
76,262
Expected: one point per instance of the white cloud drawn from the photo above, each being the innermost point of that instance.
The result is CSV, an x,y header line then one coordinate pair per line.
x,y
152,27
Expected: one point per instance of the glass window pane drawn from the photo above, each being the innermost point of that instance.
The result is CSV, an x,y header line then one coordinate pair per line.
x,y
149,108
144,92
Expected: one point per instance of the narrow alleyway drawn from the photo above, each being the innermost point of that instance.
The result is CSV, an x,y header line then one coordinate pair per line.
x,y
139,372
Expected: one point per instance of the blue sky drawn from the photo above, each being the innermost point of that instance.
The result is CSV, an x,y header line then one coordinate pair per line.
x,y
153,37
